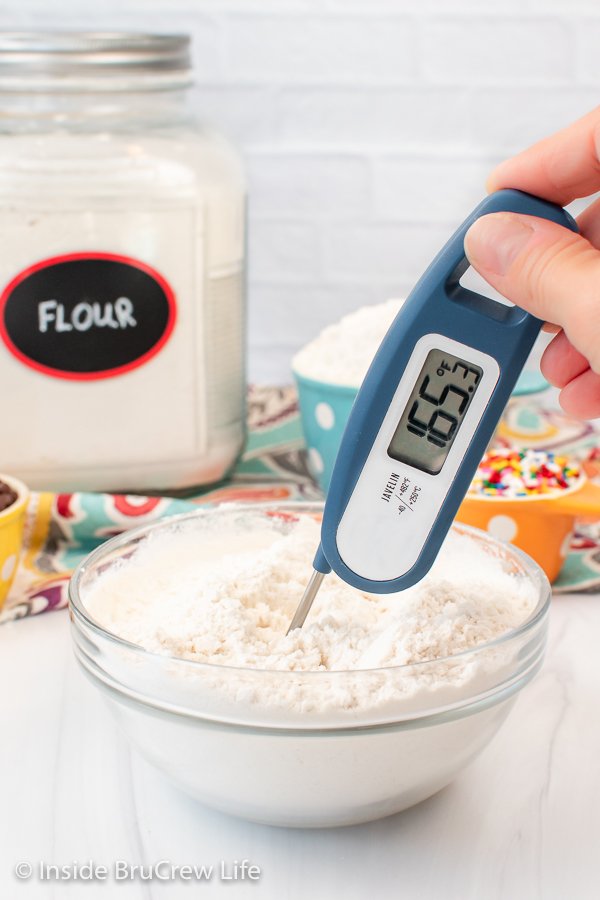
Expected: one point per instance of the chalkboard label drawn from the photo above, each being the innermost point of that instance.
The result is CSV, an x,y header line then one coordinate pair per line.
x,y
86,315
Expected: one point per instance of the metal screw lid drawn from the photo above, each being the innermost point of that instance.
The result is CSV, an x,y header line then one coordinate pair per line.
x,y
76,61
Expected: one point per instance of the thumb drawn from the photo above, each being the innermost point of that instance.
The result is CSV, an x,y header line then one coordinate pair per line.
x,y
543,268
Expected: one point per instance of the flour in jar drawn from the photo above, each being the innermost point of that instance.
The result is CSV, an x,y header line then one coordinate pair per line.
x,y
227,598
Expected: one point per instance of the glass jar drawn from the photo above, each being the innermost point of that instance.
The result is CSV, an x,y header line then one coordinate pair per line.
x,y
122,268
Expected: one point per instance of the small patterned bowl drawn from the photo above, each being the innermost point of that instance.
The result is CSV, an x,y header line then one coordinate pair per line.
x,y
12,521
324,411
542,526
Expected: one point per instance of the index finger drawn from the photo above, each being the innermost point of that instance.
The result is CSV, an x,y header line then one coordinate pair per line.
x,y
560,168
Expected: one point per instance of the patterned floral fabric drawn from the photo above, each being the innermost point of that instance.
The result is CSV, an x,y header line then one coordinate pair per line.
x,y
62,528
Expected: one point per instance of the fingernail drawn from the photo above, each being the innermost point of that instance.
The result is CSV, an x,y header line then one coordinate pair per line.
x,y
494,241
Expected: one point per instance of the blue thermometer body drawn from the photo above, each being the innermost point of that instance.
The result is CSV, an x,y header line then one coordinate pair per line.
x,y
423,418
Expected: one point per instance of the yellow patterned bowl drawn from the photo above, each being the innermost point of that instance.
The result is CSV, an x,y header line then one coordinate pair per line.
x,y
12,520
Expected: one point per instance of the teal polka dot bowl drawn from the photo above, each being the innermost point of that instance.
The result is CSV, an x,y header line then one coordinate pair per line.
x,y
324,411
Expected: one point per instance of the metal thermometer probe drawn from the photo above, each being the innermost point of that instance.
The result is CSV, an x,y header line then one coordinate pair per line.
x,y
422,420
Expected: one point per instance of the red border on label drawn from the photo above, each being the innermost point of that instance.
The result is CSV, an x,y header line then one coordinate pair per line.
x,y
103,373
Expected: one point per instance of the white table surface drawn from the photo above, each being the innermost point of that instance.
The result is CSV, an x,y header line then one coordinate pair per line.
x,y
522,823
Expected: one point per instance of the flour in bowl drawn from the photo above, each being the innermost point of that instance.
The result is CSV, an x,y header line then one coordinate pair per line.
x,y
227,596
266,726
342,353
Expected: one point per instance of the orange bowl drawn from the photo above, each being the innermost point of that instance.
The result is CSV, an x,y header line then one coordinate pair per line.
x,y
540,525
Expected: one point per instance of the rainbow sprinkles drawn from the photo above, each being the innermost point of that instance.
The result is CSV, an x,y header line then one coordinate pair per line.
x,y
523,473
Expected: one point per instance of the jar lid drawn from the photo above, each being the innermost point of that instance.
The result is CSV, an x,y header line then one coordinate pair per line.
x,y
93,60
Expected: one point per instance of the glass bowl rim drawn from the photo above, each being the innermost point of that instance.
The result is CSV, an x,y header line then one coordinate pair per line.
x,y
80,614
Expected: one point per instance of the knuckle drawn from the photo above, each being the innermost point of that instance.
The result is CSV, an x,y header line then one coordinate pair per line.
x,y
544,270
561,280
581,302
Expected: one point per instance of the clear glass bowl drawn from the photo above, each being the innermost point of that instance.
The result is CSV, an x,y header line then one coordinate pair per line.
x,y
307,755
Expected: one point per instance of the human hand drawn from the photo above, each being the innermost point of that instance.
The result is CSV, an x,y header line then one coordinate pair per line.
x,y
546,269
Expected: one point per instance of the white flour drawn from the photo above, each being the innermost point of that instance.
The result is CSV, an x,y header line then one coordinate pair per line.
x,y
304,744
170,203
228,599
342,353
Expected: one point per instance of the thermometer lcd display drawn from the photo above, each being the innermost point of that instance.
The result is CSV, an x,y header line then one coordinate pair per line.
x,y
435,411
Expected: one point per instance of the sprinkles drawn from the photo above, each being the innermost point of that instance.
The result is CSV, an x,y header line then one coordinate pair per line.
x,y
523,473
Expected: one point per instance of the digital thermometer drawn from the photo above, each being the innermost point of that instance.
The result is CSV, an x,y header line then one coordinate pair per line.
x,y
422,420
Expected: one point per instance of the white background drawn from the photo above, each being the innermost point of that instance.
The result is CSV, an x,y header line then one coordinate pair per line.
x,y
367,126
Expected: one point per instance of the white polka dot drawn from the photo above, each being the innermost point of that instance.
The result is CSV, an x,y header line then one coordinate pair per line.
x,y
502,527
565,547
324,415
316,460
8,567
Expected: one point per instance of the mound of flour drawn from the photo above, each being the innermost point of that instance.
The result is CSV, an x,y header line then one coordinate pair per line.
x,y
228,597
342,353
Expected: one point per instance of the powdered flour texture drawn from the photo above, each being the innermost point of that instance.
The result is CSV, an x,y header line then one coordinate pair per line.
x,y
228,599
342,353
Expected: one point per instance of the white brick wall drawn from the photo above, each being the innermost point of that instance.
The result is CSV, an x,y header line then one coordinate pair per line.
x,y
368,127
514,50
